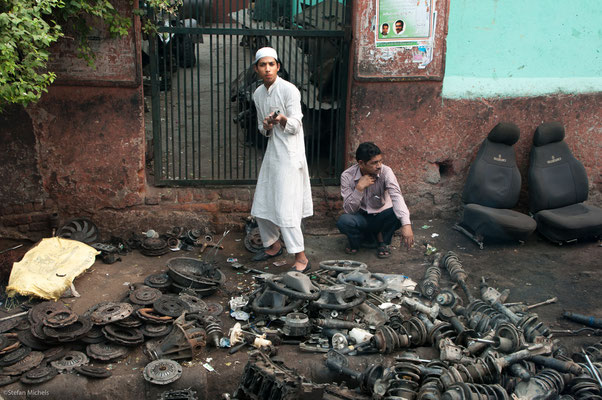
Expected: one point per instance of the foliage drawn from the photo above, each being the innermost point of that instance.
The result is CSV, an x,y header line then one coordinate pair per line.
x,y
29,27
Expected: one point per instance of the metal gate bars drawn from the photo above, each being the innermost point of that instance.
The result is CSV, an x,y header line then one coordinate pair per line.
x,y
201,79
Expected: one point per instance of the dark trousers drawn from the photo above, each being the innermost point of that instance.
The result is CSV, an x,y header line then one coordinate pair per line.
x,y
361,226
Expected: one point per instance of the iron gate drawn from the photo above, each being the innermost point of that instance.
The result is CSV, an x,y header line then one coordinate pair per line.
x,y
204,122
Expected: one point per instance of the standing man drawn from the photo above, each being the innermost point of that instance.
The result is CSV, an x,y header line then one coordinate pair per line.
x,y
283,194
373,204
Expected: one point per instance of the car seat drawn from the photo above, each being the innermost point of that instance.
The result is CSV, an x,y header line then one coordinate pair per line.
x,y
558,187
492,189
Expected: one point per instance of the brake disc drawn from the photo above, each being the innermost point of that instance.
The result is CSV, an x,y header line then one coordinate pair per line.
x,y
106,351
162,372
145,295
158,281
95,307
93,372
111,312
40,311
155,330
39,375
253,241
124,336
170,305
30,361
70,360
29,340
60,318
9,324
14,356
71,332
194,303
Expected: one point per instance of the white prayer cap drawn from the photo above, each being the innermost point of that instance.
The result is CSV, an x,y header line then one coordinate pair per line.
x,y
265,52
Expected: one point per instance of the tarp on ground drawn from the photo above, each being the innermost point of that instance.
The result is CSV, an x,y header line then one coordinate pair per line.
x,y
49,268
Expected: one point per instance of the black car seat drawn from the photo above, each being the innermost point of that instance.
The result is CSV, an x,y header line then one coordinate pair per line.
x,y
492,189
558,187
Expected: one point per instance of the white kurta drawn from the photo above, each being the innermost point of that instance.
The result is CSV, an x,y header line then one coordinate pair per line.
x,y
283,193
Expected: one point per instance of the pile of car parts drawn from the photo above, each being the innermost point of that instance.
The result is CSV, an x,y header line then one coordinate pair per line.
x,y
487,350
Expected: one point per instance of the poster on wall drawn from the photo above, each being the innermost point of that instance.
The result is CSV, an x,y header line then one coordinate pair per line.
x,y
402,23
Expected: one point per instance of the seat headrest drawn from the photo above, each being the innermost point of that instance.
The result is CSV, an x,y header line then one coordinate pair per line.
x,y
548,132
504,132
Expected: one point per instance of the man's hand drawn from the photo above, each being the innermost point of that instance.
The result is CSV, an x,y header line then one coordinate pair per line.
x,y
364,182
407,236
271,120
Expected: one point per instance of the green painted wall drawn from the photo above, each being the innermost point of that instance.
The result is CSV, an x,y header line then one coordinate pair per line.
x,y
517,48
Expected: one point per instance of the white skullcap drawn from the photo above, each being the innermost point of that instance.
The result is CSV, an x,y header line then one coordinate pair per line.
x,y
265,52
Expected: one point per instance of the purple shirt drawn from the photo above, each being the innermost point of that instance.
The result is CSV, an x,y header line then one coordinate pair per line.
x,y
382,194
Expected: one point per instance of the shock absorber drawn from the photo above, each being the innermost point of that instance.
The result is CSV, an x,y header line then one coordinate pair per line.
x,y
404,381
429,287
548,383
432,388
213,329
457,273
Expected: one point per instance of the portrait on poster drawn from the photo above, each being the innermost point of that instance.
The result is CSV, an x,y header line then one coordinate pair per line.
x,y
404,22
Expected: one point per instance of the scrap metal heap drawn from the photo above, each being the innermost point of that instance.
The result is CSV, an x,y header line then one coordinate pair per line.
x,y
486,349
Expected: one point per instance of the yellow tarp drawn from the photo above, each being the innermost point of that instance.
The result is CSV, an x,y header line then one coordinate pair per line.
x,y
48,269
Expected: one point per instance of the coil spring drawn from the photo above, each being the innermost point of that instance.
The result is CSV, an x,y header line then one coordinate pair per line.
x,y
532,328
432,388
587,371
429,286
404,382
595,351
483,371
483,317
469,391
416,330
440,331
213,329
548,380
454,266
386,340
585,387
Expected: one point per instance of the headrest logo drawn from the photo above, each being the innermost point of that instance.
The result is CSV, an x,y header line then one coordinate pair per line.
x,y
553,160
499,158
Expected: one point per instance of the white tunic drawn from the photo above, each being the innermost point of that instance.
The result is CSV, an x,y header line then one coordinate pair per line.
x,y
283,193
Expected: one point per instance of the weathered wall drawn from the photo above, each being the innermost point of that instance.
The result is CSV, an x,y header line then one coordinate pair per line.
x,y
429,140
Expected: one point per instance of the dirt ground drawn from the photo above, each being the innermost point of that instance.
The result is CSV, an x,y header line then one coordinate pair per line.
x,y
533,272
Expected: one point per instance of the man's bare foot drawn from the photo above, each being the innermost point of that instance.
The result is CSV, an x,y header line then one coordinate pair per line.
x,y
274,248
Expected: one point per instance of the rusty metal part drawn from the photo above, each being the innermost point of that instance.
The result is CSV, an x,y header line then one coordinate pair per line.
x,y
70,360
429,286
457,273
8,379
155,330
29,340
106,351
69,333
124,336
111,312
14,356
178,394
369,379
158,281
185,341
60,318
39,375
12,343
95,307
94,335
548,384
162,372
170,305
30,361
130,322
213,330
403,381
386,340
195,305
214,309
93,372
145,295
40,311
340,297
466,391
201,292
295,285
54,353
150,315
271,302
3,341
253,241
153,247
296,324
9,324
194,273
80,229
